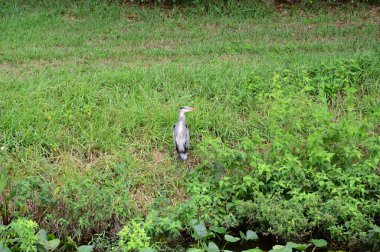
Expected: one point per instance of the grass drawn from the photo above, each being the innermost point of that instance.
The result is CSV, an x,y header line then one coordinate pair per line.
x,y
86,87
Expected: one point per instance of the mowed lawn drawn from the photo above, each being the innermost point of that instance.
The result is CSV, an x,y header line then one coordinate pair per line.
x,y
89,91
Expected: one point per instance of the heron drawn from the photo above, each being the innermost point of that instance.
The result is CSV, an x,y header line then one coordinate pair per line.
x,y
181,134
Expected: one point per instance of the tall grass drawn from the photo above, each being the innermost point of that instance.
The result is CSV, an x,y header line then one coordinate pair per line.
x,y
89,94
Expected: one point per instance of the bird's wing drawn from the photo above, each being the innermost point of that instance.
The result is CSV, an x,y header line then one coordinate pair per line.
x,y
181,139
177,139
187,142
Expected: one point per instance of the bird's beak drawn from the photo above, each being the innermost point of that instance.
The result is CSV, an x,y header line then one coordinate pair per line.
x,y
192,109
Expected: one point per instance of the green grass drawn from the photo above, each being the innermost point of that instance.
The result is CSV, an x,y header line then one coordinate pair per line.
x,y
84,87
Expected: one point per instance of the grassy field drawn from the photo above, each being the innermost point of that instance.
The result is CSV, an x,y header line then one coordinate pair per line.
x,y
89,95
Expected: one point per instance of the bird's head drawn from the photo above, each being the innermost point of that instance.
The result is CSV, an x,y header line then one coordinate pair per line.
x,y
185,109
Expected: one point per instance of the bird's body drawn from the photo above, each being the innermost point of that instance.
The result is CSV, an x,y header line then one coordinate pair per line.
x,y
181,135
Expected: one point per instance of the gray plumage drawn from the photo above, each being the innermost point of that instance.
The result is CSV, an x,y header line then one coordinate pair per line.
x,y
181,134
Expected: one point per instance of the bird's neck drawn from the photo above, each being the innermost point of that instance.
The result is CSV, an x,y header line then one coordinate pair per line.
x,y
181,116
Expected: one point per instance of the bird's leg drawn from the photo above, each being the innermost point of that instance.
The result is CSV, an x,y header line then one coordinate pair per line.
x,y
179,164
181,170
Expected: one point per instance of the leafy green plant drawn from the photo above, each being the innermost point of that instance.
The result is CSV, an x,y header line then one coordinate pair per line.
x,y
199,230
299,247
231,238
20,234
48,245
133,237
85,248
156,225
25,232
